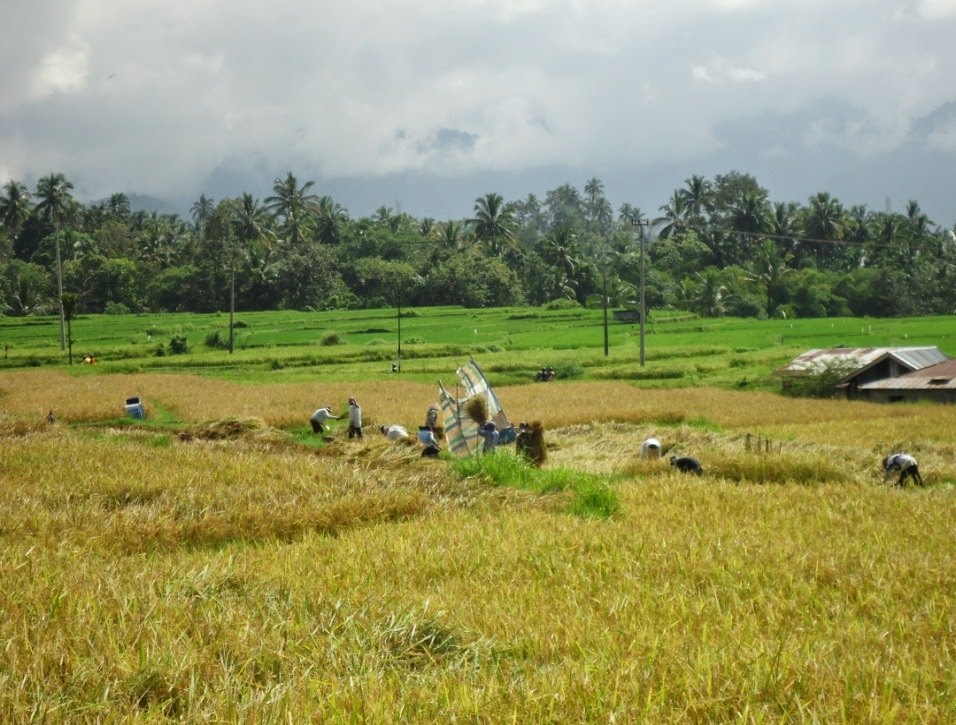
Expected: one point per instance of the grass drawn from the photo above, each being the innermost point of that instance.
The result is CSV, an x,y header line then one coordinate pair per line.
x,y
590,494
681,349
218,562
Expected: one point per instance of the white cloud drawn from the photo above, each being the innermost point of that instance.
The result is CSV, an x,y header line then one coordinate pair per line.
x,y
64,70
937,9
722,70
154,95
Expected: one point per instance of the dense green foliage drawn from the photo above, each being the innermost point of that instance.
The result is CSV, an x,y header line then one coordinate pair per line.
x,y
718,247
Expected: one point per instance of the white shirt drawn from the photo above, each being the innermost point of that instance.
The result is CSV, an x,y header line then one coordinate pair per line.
x,y
323,414
395,432
899,462
651,444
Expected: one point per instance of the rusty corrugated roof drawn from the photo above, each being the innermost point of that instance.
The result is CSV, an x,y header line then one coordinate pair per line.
x,y
860,358
941,376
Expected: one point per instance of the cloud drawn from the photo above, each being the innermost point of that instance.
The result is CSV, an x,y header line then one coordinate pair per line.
x,y
722,70
160,97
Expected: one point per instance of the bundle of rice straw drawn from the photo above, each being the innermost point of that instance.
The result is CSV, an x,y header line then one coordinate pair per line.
x,y
477,409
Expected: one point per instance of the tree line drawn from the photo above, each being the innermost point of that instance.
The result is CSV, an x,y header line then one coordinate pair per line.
x,y
717,247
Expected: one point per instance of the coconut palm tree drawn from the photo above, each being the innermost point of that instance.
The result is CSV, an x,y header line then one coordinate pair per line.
x,y
55,201
676,215
825,223
15,207
769,267
291,203
451,234
201,211
698,197
118,206
331,218
493,222
598,208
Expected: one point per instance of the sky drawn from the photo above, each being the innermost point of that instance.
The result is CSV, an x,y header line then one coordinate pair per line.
x,y
422,106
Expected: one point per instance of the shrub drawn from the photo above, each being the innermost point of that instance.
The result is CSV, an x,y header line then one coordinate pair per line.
x,y
216,340
115,308
818,384
568,371
562,304
331,338
414,341
178,345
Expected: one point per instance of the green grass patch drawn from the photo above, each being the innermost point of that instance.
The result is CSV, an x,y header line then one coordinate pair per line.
x,y
592,495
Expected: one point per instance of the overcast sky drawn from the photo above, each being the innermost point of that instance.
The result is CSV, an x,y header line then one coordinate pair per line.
x,y
424,105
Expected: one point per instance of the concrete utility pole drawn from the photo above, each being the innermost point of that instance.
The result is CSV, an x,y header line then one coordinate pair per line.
x,y
639,223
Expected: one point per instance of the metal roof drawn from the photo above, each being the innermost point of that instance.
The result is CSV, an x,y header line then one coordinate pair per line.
x,y
860,358
941,376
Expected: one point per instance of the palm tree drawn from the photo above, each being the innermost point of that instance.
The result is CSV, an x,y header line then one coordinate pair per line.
x,y
493,222
598,208
750,216
331,218
118,206
825,222
252,224
291,202
710,296
675,215
201,211
55,200
698,197
770,267
15,207
451,234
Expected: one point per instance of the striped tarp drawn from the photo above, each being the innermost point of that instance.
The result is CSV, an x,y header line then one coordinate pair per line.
x,y
461,431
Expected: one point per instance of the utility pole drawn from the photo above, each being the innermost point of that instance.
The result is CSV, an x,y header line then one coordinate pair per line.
x,y
59,282
399,362
639,223
606,350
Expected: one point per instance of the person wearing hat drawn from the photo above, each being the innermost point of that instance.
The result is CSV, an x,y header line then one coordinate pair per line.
x,y
355,419
319,417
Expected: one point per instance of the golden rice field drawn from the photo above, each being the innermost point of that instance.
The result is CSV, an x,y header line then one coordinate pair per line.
x,y
148,576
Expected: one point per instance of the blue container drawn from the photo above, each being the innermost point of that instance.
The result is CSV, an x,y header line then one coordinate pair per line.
x,y
134,408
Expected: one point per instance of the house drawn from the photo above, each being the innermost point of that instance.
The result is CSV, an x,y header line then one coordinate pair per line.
x,y
861,365
936,383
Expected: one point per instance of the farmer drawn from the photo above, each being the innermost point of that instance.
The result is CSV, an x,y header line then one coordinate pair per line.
x,y
394,432
426,436
489,434
651,449
319,417
905,464
355,419
431,417
687,464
